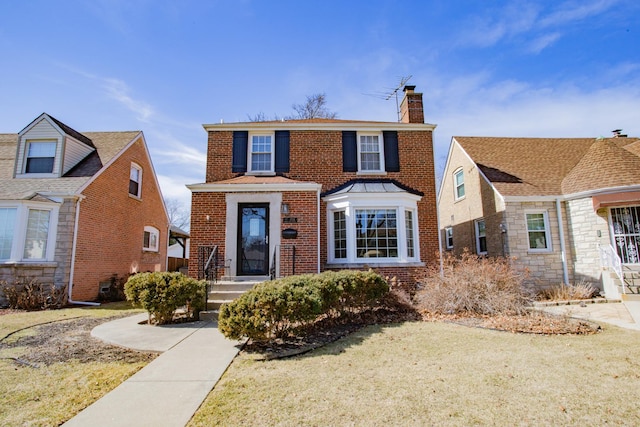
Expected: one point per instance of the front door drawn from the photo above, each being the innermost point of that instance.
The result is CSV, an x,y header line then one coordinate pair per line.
x,y
626,233
253,239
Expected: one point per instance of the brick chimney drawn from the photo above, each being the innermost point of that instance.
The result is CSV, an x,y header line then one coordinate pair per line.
x,y
411,110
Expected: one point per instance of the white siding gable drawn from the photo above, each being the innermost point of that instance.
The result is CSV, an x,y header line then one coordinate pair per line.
x,y
43,130
74,152
69,151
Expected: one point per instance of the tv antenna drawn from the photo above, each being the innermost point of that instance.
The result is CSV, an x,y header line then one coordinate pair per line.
x,y
393,93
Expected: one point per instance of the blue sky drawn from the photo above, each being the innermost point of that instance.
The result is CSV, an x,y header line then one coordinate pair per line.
x,y
498,68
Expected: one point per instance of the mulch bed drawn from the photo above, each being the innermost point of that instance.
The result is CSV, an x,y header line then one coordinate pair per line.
x,y
65,340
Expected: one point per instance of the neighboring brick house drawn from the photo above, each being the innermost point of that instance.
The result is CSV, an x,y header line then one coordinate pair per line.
x,y
552,203
303,196
77,208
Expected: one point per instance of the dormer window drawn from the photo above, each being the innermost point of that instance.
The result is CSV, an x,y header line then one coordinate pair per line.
x,y
40,156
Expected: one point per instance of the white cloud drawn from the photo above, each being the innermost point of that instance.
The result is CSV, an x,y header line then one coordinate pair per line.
x,y
542,42
118,90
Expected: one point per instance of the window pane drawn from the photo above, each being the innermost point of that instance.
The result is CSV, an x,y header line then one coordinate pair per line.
x,y
376,233
7,225
40,157
537,240
35,245
537,231
459,183
369,153
340,234
408,223
261,162
134,181
535,222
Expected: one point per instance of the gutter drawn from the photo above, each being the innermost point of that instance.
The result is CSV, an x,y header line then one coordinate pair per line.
x,y
73,260
563,252
318,227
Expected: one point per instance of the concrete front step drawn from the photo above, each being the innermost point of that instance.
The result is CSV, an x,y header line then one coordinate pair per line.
x,y
228,289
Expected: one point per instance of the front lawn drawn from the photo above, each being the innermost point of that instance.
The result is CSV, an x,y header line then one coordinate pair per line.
x,y
436,373
51,368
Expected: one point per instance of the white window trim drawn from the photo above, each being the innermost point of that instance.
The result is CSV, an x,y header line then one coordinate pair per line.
x,y
350,203
152,232
547,230
272,167
20,235
382,170
139,169
448,232
25,154
477,232
456,186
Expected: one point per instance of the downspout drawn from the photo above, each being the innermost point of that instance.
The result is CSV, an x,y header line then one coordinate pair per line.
x,y
563,251
73,259
318,227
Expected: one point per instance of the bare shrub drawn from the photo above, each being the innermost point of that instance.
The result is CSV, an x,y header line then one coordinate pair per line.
x,y
563,292
472,284
28,294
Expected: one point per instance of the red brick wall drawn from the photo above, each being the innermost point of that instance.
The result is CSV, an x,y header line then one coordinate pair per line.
x,y
207,231
304,207
111,226
316,156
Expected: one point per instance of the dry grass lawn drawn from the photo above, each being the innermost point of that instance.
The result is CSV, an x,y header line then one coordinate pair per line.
x,y
51,394
437,374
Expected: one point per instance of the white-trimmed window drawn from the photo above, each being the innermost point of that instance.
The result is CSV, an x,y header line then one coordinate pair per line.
x,y
458,183
40,157
370,152
481,237
28,232
150,239
448,237
261,156
539,236
135,181
385,232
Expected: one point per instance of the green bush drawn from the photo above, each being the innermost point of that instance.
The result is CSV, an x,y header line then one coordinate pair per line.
x,y
275,308
162,293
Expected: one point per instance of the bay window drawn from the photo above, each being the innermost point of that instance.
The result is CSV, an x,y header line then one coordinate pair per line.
x,y
373,228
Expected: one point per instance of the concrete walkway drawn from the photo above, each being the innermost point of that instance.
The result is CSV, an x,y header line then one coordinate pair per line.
x,y
620,314
170,389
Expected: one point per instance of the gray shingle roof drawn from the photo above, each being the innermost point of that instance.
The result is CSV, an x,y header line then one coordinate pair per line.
x,y
108,144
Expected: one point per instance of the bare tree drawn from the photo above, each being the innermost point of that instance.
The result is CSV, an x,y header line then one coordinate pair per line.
x,y
314,107
179,215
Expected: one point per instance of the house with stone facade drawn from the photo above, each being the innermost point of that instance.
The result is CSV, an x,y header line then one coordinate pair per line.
x,y
78,209
303,196
566,209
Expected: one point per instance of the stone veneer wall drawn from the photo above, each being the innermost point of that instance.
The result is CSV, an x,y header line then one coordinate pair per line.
x,y
545,268
585,224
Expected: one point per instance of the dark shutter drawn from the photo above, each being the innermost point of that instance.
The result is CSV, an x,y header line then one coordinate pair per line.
x,y
282,151
391,155
239,161
349,151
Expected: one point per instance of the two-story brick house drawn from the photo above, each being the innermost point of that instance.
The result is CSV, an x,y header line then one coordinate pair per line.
x,y
304,196
78,208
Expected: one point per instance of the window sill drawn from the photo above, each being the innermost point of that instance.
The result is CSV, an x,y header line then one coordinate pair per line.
x,y
263,173
540,251
459,199
28,264
134,197
369,173
359,264
147,250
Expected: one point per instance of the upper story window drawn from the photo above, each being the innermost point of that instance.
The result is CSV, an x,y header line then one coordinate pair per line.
x,y
538,231
135,180
458,182
481,237
150,239
261,153
40,156
370,153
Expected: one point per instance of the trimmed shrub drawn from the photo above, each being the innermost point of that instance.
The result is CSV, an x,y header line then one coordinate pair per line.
x,y
162,293
472,284
276,308
30,295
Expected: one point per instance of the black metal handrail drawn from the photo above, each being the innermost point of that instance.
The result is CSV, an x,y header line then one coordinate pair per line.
x,y
208,262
